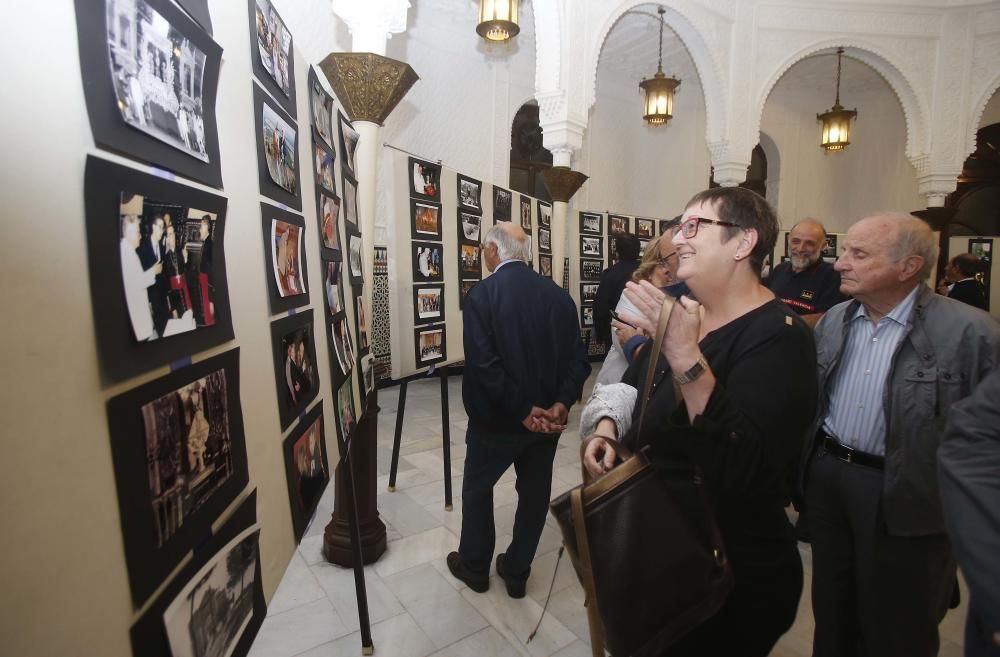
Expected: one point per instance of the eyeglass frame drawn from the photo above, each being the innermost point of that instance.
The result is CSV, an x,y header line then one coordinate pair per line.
x,y
679,228
664,261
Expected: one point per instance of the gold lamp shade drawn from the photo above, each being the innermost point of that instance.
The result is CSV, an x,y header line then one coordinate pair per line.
x,y
659,105
498,20
835,132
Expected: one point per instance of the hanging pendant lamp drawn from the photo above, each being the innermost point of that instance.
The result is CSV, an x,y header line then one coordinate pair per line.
x,y
835,133
658,107
498,20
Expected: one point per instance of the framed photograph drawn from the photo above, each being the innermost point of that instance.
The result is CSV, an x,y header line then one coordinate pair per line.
x,y
545,265
471,226
427,262
328,211
284,239
526,213
544,214
502,199
362,318
323,160
307,469
464,287
321,109
277,154
425,180
469,194
590,270
348,144
425,220
591,223
343,345
642,247
354,257
150,77
368,373
215,604
591,247
829,247
544,240
271,45
645,228
334,288
346,414
157,264
428,303
613,248
586,316
430,344
350,201
295,374
618,224
470,260
180,459
982,248
588,292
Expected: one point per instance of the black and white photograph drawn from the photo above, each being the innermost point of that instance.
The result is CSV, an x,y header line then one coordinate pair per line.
x,y
180,459
427,262
502,199
368,372
590,270
464,287
982,248
544,214
210,614
350,201
588,292
346,415
430,345
525,213
470,257
354,257
285,254
644,228
343,346
590,223
324,169
642,248
277,151
618,224
428,303
321,106
295,368
329,218
545,265
544,239
425,220
157,268
829,253
591,247
469,194
348,144
306,468
586,316
425,180
334,288
362,318
273,55
471,226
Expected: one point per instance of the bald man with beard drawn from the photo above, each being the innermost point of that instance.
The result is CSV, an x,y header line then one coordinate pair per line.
x,y
806,283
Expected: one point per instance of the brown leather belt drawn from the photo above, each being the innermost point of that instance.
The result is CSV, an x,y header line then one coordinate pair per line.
x,y
851,455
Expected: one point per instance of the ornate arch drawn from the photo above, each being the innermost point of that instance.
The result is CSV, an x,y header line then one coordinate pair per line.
x,y
915,111
977,113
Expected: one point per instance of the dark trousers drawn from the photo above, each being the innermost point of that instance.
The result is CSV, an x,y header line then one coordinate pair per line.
x,y
874,595
487,458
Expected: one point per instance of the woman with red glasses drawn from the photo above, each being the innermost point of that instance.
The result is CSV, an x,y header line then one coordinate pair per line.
x,y
745,368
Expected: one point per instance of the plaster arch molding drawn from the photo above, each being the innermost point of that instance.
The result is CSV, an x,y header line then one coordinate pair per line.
x,y
915,110
977,112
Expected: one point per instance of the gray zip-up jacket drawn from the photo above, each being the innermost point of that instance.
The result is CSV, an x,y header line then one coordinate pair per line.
x,y
947,349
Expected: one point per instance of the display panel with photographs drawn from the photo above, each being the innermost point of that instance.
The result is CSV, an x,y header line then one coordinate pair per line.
x,y
470,260
295,373
645,228
470,194
428,303
545,265
307,469
502,201
284,240
346,415
323,162
334,288
471,226
430,344
425,180
348,144
618,224
590,223
544,214
215,605
526,213
586,316
427,262
272,54
590,270
157,268
150,79
982,248
328,208
362,319
277,154
180,458
198,10
464,287
354,266
591,247
343,344
588,292
350,201
425,220
544,240
321,109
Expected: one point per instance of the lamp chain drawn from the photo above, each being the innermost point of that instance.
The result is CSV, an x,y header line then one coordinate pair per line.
x,y
840,51
659,61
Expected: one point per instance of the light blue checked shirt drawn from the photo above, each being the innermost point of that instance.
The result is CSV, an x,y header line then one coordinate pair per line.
x,y
855,415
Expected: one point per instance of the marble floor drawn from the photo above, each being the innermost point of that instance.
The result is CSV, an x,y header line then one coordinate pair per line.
x,y
417,608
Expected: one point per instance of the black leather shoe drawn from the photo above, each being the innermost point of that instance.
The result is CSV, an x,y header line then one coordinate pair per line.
x,y
515,589
478,583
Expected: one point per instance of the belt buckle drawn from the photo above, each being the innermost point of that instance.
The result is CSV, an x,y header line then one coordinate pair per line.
x,y
850,454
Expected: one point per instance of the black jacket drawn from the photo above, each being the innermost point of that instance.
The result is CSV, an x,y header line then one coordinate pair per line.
x,y
613,280
522,349
969,291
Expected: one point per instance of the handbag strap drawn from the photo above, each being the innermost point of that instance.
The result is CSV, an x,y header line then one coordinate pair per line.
x,y
661,330
586,572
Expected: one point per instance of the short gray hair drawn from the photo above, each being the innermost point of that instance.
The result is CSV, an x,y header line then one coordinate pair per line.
x,y
914,237
508,246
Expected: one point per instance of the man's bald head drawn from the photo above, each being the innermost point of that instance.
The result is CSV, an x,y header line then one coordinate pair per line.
x,y
805,243
505,241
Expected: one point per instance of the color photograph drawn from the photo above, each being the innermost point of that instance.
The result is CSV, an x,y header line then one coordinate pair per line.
x,y
321,105
425,180
329,212
354,257
279,150
334,291
427,262
343,345
428,303
618,224
362,318
470,260
324,169
300,376
286,258
644,228
348,143
346,415
306,468
430,345
463,290
350,201
426,220
273,44
545,265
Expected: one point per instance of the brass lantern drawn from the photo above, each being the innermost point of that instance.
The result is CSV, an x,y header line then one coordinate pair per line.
x,y
659,104
835,133
498,19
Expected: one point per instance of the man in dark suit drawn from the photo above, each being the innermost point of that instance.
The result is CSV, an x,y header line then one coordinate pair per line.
x,y
613,280
525,365
150,253
960,281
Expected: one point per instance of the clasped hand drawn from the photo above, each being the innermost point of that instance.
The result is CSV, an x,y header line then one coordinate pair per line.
x,y
680,344
547,420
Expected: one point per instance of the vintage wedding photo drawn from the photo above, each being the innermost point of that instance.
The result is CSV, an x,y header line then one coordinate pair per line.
x,y
286,258
428,303
430,345
279,149
300,376
590,223
273,42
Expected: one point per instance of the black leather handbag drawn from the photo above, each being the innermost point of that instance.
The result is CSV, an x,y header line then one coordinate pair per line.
x,y
646,549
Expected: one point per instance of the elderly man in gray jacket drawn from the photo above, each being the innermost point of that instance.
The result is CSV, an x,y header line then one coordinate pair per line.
x,y
891,363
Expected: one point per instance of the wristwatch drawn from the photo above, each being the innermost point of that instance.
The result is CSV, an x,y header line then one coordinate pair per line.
x,y
693,372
